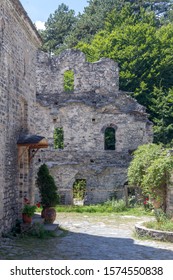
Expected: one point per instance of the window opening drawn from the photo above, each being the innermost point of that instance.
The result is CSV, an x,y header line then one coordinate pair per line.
x,y
58,138
79,191
69,81
110,138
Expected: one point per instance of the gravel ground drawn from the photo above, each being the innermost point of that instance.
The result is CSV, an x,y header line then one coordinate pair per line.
x,y
88,237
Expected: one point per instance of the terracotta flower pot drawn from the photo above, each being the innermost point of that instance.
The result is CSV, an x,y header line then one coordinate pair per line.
x,y
156,203
42,212
49,215
26,219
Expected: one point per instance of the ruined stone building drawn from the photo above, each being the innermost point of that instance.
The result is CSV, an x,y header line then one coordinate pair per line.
x,y
99,124
84,115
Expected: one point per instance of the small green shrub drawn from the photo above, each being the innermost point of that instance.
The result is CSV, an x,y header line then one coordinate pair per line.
x,y
117,205
160,216
47,187
39,231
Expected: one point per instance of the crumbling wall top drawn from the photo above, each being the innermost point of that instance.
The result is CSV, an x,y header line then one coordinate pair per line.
x,y
100,77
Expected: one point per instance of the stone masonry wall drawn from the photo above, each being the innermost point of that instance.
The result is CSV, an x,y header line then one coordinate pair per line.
x,y
18,45
84,114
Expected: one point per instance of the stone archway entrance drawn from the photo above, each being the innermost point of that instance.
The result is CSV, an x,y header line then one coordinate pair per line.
x,y
79,191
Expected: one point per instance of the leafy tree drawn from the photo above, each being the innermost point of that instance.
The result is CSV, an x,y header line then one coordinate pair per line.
x,y
161,110
143,50
58,26
65,30
151,169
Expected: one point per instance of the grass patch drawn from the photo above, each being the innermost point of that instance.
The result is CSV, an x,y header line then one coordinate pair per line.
x,y
163,221
113,206
166,225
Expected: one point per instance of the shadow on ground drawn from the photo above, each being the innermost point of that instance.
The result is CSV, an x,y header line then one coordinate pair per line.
x,y
81,246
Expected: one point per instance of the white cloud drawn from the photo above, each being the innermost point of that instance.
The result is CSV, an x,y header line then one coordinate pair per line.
x,y
40,25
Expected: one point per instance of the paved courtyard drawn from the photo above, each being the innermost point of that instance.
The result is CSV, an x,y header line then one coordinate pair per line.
x,y
88,237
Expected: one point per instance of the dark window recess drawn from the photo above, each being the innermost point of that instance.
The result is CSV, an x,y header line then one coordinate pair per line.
x,y
93,120
110,138
58,138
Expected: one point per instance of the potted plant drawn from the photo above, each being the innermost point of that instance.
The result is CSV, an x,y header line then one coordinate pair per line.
x,y
48,193
27,213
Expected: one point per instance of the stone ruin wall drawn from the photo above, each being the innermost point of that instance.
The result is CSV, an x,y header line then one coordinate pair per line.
x,y
18,45
95,104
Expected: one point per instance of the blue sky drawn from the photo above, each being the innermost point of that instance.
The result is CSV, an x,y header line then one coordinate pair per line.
x,y
39,10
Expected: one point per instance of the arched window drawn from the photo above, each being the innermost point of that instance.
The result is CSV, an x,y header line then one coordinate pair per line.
x,y
110,138
58,138
69,81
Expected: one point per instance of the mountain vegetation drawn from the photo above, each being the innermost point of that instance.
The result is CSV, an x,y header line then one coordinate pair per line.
x,y
137,34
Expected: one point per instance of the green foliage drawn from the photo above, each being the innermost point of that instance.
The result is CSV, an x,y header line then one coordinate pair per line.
x,y
112,206
79,189
160,216
163,221
151,169
158,175
58,26
161,109
58,138
47,187
164,226
38,231
117,205
29,210
143,157
69,81
143,48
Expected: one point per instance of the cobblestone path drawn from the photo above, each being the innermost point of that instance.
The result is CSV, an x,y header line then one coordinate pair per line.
x,y
89,237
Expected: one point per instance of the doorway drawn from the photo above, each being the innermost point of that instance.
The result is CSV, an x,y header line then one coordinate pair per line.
x,y
79,191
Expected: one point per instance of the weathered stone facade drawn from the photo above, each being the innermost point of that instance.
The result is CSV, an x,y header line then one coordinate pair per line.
x,y
33,101
18,44
95,104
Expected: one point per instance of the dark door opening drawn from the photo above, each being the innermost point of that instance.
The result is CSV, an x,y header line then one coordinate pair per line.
x,y
79,191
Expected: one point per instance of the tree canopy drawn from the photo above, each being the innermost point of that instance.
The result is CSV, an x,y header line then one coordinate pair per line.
x,y
143,49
